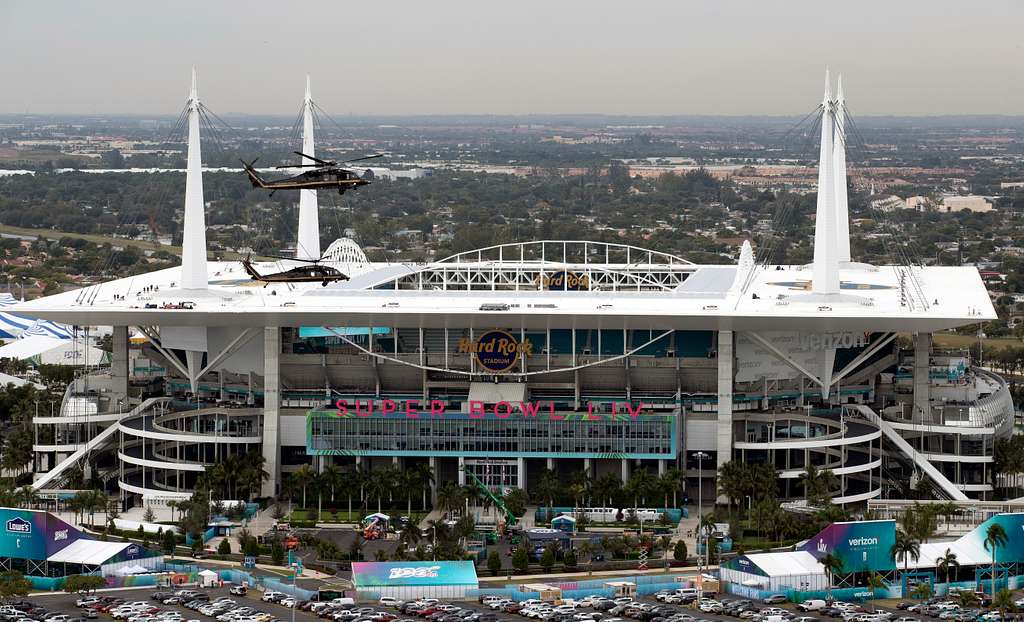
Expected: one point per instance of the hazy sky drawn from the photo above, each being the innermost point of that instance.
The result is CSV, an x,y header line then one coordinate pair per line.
x,y
901,57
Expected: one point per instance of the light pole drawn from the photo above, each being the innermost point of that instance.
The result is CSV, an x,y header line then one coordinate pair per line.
x,y
295,575
700,456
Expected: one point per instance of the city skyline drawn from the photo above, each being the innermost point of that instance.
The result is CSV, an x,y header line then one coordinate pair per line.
x,y
737,58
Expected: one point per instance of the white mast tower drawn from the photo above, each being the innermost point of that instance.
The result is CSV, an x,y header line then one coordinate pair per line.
x,y
308,244
825,280
193,242
839,164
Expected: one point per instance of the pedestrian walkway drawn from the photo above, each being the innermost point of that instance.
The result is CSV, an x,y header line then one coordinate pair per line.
x,y
434,514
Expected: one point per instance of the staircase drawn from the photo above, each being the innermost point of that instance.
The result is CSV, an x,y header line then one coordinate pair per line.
x,y
95,443
943,484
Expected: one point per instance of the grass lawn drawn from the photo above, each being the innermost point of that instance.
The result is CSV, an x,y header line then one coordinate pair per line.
x,y
950,340
142,245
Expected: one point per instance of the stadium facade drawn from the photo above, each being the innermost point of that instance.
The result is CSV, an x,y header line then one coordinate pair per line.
x,y
561,354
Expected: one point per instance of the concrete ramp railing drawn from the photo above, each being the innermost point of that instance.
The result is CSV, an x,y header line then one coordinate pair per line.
x,y
94,443
920,460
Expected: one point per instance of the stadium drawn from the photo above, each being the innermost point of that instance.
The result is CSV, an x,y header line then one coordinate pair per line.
x,y
553,354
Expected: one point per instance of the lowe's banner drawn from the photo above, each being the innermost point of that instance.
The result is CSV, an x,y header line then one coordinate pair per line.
x,y
392,574
28,534
863,546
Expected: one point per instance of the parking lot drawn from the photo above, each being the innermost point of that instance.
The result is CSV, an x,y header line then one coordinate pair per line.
x,y
679,606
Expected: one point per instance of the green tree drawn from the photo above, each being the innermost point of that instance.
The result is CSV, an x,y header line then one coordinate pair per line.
x,y
494,562
302,477
277,553
168,541
224,548
833,565
81,583
679,553
13,583
547,559
1003,602
875,582
995,537
521,560
922,590
569,559
904,548
945,563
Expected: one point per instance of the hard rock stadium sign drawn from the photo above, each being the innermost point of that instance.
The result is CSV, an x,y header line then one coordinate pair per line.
x,y
496,350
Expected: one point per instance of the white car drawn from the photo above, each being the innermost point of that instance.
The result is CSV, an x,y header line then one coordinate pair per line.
x,y
388,601
287,602
710,606
271,595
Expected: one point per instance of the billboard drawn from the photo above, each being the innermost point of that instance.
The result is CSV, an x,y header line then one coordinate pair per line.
x,y
863,546
1012,551
28,534
815,352
398,574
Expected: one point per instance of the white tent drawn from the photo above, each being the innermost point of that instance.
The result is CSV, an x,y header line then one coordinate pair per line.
x,y
53,350
208,578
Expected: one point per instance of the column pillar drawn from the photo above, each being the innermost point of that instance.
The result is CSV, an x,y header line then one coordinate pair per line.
x,y
432,461
551,464
119,366
725,379
521,467
625,470
588,468
462,471
272,408
922,384
662,466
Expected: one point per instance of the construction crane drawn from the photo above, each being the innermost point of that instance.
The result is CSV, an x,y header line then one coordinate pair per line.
x,y
510,518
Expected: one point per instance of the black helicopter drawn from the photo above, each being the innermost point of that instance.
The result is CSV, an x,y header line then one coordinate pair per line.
x,y
324,174
314,273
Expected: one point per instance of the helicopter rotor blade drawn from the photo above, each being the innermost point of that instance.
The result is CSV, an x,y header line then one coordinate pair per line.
x,y
314,261
322,162
369,157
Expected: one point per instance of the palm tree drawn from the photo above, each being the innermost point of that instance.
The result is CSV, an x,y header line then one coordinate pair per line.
x,y
302,477
995,537
640,483
606,487
833,565
331,477
423,475
922,590
27,497
410,534
672,480
379,485
944,563
449,497
734,482
547,487
875,583
1003,602
905,547
818,484
254,471
350,485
